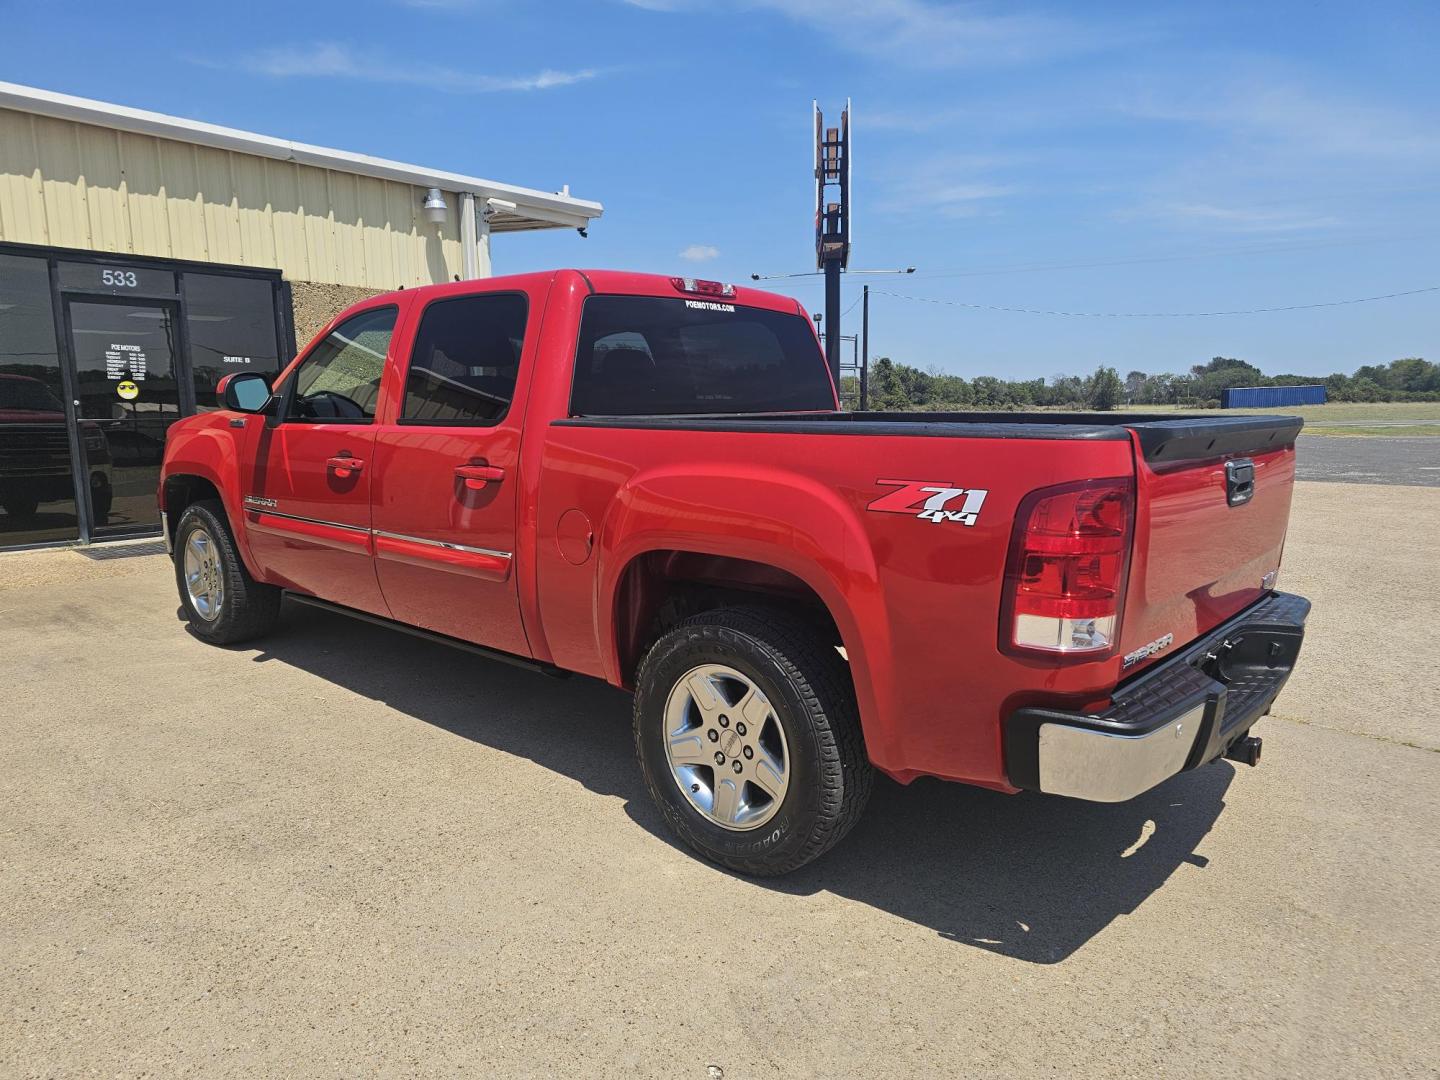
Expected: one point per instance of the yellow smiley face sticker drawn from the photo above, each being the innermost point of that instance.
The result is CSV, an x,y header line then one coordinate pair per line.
x,y
127,390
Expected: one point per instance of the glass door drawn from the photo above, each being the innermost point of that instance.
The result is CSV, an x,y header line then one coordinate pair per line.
x,y
127,394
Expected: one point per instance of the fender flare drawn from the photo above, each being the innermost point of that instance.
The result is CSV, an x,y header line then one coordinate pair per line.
x,y
210,455
764,515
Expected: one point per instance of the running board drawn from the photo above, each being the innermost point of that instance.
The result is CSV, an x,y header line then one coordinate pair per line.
x,y
430,635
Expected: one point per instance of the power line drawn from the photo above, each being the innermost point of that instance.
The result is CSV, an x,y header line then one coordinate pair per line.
x,y
1153,314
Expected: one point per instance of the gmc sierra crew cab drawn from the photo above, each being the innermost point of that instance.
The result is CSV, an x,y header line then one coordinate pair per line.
x,y
648,480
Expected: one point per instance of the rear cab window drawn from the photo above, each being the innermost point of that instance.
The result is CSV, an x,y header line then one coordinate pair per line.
x,y
643,355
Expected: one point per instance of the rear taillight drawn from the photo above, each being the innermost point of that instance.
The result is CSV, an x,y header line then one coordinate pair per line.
x,y
701,287
1065,578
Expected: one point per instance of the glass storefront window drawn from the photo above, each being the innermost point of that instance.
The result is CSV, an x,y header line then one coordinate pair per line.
x,y
136,339
37,489
231,321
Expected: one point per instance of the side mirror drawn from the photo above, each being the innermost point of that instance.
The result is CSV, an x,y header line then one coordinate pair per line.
x,y
243,392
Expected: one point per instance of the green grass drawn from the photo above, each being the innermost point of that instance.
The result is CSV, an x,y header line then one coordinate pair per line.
x,y
1388,429
1345,417
1348,411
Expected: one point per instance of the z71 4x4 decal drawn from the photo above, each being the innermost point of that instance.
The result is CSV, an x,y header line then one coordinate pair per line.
x,y
931,501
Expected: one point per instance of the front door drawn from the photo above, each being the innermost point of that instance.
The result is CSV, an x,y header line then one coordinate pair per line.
x,y
306,491
127,394
447,474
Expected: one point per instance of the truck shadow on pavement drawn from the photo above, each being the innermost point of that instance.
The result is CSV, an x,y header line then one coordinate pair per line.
x,y
1027,876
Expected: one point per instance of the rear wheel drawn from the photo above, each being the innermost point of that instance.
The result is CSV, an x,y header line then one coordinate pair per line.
x,y
222,602
748,737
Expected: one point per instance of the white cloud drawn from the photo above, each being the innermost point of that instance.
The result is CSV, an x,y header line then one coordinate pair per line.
x,y
925,33
700,253
1264,153
953,186
1289,119
1240,219
333,60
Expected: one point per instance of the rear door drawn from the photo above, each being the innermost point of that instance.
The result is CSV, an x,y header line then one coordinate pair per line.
x,y
1212,510
307,499
446,470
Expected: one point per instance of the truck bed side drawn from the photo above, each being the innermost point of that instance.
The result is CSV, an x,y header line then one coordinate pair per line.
x,y
915,601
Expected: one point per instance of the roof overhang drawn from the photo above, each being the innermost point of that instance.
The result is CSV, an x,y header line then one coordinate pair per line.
x,y
532,209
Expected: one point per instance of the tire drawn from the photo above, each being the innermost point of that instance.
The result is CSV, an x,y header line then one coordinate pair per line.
x,y
20,506
225,605
805,720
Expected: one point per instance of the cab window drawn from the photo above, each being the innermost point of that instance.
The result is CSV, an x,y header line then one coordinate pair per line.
x,y
339,382
465,361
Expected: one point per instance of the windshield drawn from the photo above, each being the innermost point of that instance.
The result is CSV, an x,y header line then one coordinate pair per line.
x,y
642,355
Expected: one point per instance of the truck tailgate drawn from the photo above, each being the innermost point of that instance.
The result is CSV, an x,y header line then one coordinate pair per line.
x,y
1206,544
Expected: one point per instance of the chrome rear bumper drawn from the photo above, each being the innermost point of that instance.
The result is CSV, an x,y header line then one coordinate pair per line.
x,y
1174,716
1105,767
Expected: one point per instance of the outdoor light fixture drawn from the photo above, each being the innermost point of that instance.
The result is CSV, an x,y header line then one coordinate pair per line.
x,y
434,208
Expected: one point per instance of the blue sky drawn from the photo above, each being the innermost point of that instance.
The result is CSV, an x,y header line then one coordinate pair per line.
x,y
1092,157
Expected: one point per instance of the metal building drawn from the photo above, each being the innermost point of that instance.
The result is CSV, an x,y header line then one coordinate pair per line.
x,y
142,256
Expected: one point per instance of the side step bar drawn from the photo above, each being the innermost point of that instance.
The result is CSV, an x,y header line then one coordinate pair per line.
x,y
430,635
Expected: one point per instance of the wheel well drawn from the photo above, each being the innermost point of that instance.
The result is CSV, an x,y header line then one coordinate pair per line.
x,y
661,589
180,492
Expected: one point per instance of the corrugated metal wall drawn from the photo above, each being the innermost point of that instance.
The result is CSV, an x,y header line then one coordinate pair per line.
x,y
1270,397
64,184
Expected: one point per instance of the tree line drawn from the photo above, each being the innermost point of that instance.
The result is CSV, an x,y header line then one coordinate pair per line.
x,y
899,387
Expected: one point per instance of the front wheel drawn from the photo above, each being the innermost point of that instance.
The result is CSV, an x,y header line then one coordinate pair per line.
x,y
222,602
748,737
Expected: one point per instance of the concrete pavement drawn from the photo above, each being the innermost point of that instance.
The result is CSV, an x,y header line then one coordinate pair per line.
x,y
1371,459
351,852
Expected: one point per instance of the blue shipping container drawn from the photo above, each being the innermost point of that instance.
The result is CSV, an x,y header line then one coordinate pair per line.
x,y
1270,397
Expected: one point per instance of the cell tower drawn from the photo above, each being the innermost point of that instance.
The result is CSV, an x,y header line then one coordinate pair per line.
x,y
832,221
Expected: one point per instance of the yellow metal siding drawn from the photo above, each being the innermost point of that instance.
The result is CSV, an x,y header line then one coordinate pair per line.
x,y
99,155
62,183
145,201
66,184
22,206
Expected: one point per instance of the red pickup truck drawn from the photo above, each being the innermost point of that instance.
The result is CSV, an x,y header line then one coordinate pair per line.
x,y
647,480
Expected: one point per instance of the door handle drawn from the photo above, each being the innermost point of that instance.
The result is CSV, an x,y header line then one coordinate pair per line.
x,y
477,476
345,464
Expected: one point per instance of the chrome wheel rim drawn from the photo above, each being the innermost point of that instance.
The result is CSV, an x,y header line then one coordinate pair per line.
x,y
726,748
204,583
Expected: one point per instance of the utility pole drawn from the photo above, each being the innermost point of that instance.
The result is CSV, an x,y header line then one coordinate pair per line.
x,y
832,222
865,349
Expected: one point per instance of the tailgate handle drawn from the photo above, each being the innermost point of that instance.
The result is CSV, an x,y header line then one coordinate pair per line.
x,y
1239,481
